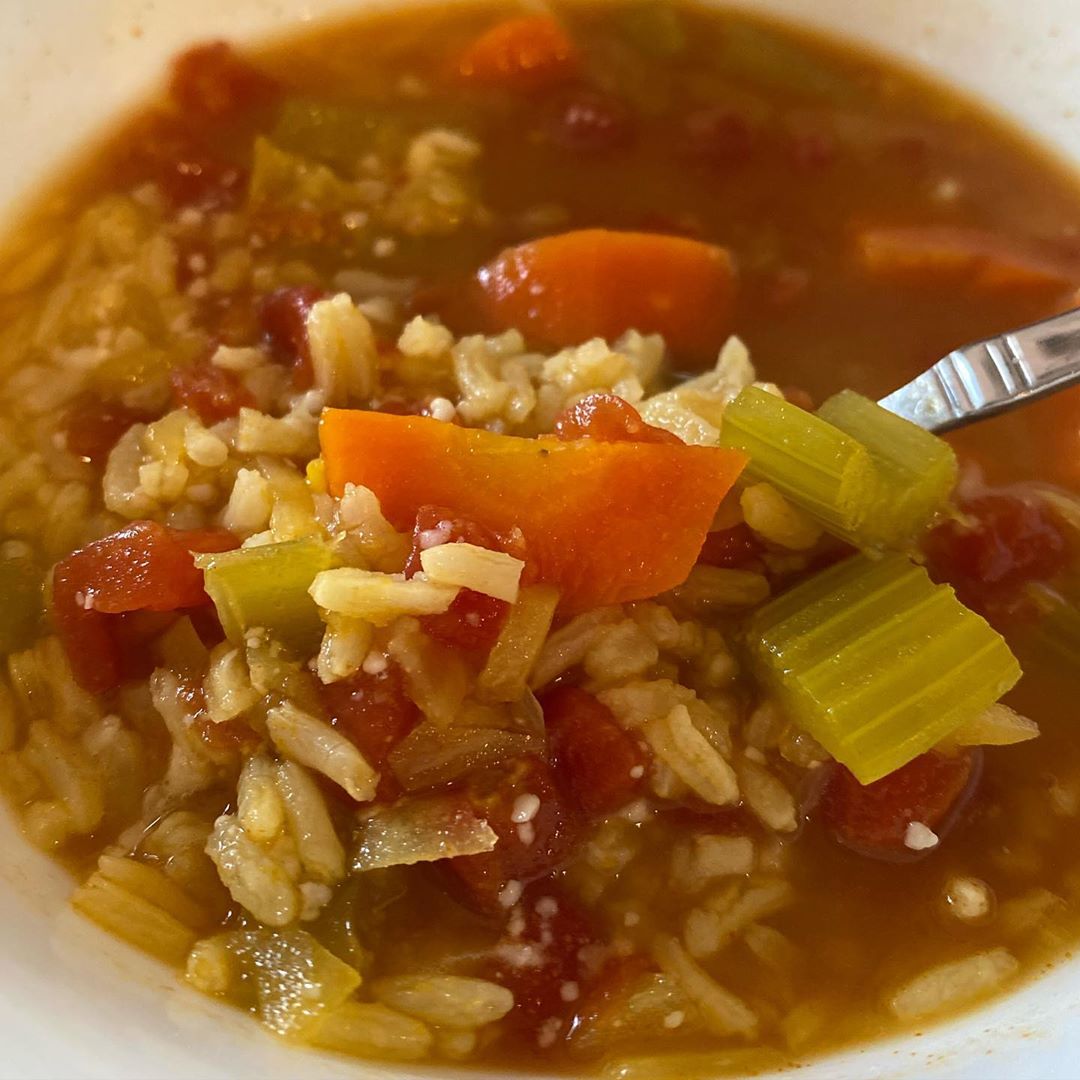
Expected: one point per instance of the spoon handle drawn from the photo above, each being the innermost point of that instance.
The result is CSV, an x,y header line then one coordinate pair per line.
x,y
989,377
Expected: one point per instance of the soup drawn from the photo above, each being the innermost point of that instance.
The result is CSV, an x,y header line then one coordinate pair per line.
x,y
427,629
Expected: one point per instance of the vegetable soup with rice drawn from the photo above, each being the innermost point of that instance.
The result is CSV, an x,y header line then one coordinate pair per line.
x,y
461,600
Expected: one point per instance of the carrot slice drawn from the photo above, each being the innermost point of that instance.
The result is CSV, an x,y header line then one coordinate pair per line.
x,y
524,53
562,290
972,257
604,521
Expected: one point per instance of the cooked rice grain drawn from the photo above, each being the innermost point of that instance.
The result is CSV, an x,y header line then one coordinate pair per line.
x,y
952,985
451,1001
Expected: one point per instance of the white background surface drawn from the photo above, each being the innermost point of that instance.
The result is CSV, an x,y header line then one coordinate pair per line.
x,y
73,1002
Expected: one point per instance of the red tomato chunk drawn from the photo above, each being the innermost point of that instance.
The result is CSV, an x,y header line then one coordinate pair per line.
x,y
874,819
592,122
92,427
375,713
543,958
211,83
603,766
166,150
212,393
144,567
1007,543
527,849
473,620
608,418
283,316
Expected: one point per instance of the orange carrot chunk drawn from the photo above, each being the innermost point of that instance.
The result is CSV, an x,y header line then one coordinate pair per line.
x,y
565,289
974,258
604,521
524,53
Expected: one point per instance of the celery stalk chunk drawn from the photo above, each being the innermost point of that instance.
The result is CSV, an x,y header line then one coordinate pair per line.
x,y
267,587
877,662
813,464
916,470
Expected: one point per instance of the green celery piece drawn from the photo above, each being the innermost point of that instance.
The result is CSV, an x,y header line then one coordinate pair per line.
x,y
817,467
281,180
338,135
267,587
773,60
654,27
1058,629
877,662
21,591
916,470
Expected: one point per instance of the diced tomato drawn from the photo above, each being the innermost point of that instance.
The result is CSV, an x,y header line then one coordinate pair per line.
x,y
166,150
212,83
375,713
736,547
283,315
529,52
785,286
874,819
473,620
212,393
527,850
135,633
92,427
543,950
609,419
232,318
1007,542
603,765
143,567
719,135
812,151
592,122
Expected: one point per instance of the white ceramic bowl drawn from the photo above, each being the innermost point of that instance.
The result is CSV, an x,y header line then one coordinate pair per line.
x,y
74,1002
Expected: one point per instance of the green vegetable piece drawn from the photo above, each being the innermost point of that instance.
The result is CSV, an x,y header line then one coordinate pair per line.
x,y
773,61
878,663
916,470
339,135
1058,629
267,587
816,466
654,27
20,603
284,181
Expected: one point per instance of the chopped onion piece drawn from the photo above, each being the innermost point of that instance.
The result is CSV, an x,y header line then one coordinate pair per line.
x,y
505,676
420,829
433,754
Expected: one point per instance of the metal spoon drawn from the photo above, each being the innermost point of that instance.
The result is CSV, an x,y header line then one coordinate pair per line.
x,y
992,376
